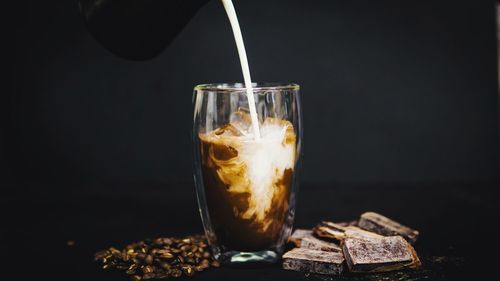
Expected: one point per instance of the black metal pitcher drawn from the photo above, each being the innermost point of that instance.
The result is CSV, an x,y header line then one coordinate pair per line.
x,y
137,29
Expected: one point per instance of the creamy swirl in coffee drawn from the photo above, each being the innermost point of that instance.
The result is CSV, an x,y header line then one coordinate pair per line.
x,y
248,181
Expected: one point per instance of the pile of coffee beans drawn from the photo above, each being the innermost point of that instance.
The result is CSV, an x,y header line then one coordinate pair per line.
x,y
160,258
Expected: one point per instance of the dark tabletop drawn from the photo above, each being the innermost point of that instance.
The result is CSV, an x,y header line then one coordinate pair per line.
x,y
455,224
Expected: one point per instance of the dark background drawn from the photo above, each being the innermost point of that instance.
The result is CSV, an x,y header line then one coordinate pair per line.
x,y
400,106
393,91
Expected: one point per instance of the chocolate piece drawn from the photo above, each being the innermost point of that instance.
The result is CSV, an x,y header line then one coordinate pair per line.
x,y
334,226
313,261
339,233
303,238
313,243
348,223
379,254
330,230
356,232
298,235
382,225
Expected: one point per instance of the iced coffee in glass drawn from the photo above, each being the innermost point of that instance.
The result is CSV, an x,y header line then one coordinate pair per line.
x,y
246,184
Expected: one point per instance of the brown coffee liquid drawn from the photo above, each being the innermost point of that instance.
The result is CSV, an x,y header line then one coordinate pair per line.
x,y
248,184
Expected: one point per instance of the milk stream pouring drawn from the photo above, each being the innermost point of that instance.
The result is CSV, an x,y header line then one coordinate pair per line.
x,y
231,13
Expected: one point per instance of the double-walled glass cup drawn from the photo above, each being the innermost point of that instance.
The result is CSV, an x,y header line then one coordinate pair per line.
x,y
246,186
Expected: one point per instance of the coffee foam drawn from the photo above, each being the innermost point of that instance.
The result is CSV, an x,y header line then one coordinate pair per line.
x,y
257,167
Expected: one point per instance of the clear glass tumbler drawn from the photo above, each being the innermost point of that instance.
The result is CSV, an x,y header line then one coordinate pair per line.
x,y
246,187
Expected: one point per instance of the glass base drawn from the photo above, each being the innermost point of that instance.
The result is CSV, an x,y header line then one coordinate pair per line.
x,y
235,258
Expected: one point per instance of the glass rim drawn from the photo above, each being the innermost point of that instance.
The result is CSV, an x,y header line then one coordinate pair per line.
x,y
237,87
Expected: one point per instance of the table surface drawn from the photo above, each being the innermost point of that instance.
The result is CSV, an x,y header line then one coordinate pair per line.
x,y
39,223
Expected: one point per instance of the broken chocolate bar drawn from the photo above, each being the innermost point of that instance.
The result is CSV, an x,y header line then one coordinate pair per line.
x,y
298,235
313,261
329,230
313,243
348,223
378,254
339,233
356,232
384,226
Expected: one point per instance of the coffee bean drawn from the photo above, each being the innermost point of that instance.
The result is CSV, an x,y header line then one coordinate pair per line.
x,y
189,255
100,255
122,267
161,276
135,278
188,270
176,273
181,259
159,258
165,254
165,265
158,242
130,272
198,268
147,269
114,251
141,256
131,269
